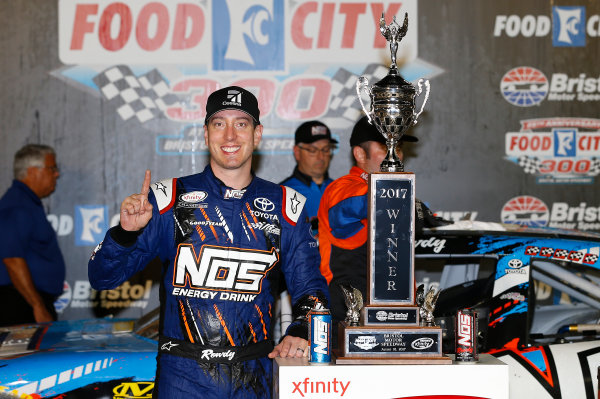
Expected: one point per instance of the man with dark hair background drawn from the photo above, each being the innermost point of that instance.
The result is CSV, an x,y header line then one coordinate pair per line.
x,y
313,150
32,273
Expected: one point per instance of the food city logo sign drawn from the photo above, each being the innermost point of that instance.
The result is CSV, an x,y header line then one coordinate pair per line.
x,y
120,51
179,32
525,86
531,211
557,150
568,26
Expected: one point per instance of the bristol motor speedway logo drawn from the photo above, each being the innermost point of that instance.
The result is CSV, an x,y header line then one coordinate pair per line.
x,y
557,150
568,26
531,211
525,86
525,210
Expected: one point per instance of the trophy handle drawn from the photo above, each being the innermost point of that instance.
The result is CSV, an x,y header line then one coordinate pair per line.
x,y
420,84
363,84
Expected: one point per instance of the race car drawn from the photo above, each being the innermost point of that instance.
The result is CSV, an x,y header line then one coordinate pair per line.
x,y
537,296
99,358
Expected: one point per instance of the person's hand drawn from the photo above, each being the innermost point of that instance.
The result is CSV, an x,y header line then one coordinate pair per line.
x,y
41,314
291,347
136,211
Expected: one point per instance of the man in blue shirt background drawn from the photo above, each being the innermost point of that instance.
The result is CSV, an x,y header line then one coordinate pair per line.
x,y
312,150
32,271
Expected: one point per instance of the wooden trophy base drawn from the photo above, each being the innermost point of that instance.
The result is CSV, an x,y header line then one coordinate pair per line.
x,y
390,345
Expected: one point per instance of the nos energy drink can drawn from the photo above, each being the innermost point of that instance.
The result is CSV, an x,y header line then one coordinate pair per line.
x,y
319,321
466,336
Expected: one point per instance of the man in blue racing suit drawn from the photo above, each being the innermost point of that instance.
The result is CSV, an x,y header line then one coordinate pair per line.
x,y
224,236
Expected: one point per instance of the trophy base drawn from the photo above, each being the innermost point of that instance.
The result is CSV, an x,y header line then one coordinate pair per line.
x,y
339,359
403,345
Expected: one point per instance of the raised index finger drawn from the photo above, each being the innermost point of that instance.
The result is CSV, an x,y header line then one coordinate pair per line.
x,y
146,184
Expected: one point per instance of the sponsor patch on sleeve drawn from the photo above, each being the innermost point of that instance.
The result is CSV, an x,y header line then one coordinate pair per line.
x,y
164,192
293,203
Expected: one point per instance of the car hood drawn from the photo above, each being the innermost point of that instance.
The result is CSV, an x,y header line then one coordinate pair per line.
x,y
493,228
73,336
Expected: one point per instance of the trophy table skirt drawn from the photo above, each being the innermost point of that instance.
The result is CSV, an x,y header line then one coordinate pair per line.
x,y
296,378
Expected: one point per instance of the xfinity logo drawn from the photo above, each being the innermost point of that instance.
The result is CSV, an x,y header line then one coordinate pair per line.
x,y
194,197
264,204
91,223
309,388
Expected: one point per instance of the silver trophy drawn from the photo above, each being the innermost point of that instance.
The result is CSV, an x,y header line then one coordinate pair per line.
x,y
392,107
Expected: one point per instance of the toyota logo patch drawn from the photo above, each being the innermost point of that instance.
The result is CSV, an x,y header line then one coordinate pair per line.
x,y
264,204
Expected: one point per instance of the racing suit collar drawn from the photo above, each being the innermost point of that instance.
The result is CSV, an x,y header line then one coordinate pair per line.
x,y
356,171
218,186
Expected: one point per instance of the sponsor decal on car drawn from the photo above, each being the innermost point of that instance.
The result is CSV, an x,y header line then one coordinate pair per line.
x,y
134,390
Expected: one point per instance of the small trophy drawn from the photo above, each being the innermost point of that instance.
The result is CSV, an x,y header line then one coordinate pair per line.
x,y
426,303
354,302
392,107
394,326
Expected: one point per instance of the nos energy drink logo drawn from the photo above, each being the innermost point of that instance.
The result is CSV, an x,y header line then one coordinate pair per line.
x,y
246,33
525,210
524,86
568,29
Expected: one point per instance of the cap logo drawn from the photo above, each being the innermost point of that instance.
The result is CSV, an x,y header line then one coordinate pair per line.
x,y
234,97
318,131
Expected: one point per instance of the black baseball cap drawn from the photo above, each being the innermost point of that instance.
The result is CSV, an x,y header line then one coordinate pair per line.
x,y
232,97
312,131
364,131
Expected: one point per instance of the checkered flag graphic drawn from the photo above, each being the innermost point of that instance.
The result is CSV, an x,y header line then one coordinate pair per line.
x,y
344,102
561,253
158,90
142,97
575,256
530,164
595,166
532,250
590,259
546,251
